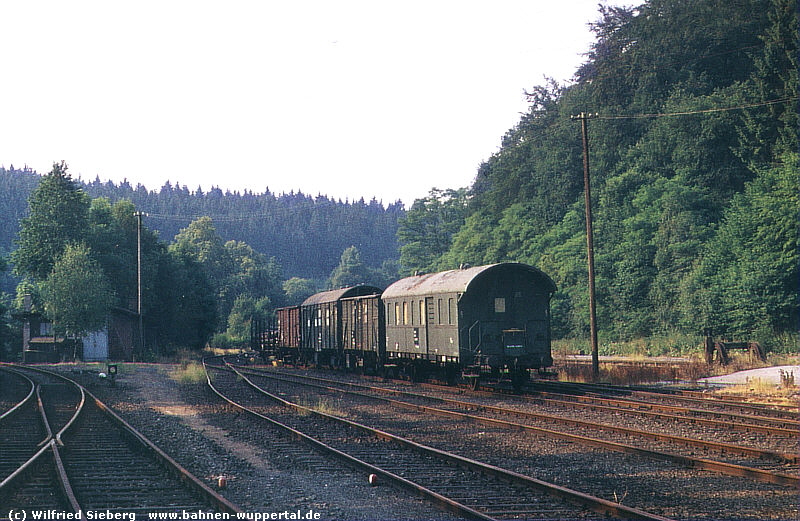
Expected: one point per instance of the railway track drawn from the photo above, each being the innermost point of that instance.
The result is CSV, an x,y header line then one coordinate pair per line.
x,y
548,454
683,397
715,414
85,458
466,486
762,465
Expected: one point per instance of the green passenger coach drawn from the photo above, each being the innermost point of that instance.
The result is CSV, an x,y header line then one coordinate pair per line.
x,y
491,320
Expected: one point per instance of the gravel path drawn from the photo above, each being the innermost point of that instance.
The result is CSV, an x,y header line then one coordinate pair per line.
x,y
188,422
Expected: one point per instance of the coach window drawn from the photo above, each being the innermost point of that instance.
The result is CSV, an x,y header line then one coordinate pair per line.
x,y
439,311
450,313
405,313
396,313
388,314
422,312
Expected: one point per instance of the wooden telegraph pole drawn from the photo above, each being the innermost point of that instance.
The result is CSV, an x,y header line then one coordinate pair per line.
x,y
584,118
139,216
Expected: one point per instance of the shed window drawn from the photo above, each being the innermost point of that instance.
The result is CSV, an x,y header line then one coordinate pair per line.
x,y
499,305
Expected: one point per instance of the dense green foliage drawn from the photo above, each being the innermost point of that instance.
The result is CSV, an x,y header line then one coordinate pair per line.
x,y
59,215
79,258
76,294
6,332
305,235
233,268
693,183
200,283
427,229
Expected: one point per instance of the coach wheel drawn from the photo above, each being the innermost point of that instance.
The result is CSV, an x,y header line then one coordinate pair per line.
x,y
416,371
451,375
518,380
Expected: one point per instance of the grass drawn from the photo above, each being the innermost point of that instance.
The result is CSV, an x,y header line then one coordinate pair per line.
x,y
189,373
633,372
761,391
324,406
667,345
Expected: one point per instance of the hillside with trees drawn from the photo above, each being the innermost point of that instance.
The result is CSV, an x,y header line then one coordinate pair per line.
x,y
694,171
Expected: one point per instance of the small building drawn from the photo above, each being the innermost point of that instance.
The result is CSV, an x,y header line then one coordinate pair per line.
x,y
116,341
38,341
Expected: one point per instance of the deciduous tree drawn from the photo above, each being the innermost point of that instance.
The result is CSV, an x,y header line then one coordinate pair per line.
x,y
59,215
76,295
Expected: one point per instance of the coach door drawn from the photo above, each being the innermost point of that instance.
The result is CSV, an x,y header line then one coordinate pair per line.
x,y
430,320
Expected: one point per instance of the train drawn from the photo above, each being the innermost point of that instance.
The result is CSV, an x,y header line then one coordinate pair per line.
x,y
472,323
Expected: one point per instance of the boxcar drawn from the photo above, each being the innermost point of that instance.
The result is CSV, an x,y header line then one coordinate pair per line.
x,y
321,327
288,320
363,333
492,319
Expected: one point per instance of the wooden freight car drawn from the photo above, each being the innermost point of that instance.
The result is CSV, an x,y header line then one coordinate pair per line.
x,y
363,333
321,325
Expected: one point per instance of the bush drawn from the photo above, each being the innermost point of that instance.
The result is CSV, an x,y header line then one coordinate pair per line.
x,y
226,341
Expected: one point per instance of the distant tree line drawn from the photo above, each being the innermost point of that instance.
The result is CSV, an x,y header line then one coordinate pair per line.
x,y
305,234
76,254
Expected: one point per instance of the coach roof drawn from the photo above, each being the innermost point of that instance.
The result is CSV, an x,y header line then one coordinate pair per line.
x,y
457,281
336,294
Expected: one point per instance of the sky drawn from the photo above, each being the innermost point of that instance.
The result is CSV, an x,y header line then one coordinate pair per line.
x,y
349,99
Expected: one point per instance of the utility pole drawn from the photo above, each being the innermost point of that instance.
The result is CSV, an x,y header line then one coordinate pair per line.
x,y
139,216
584,118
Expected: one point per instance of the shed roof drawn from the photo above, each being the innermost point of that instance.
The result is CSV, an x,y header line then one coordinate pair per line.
x,y
337,294
455,281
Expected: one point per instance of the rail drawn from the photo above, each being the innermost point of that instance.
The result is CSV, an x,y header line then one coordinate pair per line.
x,y
593,503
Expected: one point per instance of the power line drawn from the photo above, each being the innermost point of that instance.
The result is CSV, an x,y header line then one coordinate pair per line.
x,y
218,218
703,111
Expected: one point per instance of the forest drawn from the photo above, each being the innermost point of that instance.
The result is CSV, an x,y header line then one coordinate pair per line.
x,y
305,234
210,261
693,153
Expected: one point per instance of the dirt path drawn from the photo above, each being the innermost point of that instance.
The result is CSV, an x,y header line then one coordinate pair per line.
x,y
161,394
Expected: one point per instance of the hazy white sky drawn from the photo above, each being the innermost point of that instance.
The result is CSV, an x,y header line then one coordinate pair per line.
x,y
345,98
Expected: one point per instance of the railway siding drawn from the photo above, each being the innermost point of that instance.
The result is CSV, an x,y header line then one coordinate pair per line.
x,y
567,462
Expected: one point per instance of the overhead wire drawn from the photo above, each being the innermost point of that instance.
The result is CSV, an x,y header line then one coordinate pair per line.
x,y
701,111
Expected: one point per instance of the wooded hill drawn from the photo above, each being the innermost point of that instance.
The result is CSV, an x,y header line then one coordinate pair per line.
x,y
694,171
306,235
